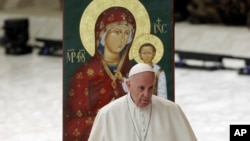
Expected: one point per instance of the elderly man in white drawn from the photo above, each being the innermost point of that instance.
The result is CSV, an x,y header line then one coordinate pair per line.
x,y
140,115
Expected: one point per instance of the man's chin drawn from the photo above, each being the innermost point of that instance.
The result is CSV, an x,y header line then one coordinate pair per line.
x,y
144,103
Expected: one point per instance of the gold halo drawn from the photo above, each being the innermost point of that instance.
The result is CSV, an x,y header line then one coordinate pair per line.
x,y
147,38
94,9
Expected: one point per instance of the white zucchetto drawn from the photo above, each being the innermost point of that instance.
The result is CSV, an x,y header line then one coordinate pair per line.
x,y
139,68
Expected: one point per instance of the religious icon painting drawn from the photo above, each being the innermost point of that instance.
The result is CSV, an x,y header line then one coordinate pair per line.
x,y
103,39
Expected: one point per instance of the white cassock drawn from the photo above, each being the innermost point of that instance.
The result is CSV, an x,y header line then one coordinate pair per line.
x,y
121,120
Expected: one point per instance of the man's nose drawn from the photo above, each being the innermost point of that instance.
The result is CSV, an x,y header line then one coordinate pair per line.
x,y
147,93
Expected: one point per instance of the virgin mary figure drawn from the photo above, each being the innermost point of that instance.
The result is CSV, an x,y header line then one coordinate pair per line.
x,y
99,80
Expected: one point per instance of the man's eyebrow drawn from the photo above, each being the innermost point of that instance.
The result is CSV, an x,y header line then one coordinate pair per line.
x,y
141,87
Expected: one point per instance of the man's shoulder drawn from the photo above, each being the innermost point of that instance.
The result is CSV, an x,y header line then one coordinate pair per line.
x,y
114,105
162,102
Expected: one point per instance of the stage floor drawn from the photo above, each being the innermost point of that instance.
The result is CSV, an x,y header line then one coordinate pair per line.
x,y
31,99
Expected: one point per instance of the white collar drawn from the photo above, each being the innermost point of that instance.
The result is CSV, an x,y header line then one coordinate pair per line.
x,y
147,112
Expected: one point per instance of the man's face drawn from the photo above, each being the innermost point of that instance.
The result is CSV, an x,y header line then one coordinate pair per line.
x,y
141,88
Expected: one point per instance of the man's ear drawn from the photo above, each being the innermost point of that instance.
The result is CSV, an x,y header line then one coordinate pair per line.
x,y
128,83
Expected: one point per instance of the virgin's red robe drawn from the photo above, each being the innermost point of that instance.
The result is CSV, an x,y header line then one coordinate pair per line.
x,y
90,89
